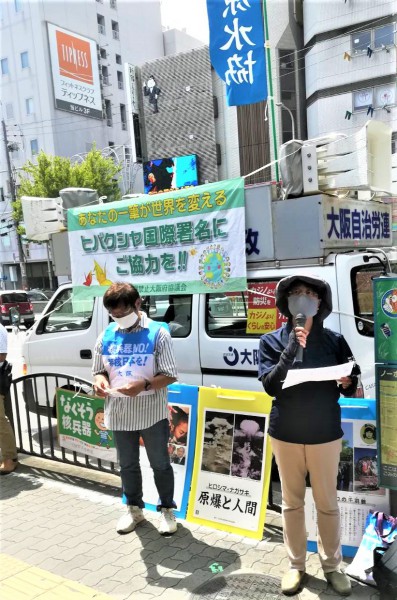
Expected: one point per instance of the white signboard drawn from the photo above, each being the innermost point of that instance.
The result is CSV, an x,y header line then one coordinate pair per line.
x,y
75,72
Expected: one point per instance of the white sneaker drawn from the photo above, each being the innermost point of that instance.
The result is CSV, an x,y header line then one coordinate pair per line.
x,y
168,522
130,519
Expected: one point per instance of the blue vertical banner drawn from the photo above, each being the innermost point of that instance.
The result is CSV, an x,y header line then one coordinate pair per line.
x,y
237,49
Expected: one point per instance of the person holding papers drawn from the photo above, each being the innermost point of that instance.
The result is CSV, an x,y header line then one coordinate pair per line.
x,y
305,422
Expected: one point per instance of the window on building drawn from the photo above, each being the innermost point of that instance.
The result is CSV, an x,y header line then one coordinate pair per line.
x,y
29,106
101,24
120,80
24,60
376,39
34,147
113,4
381,96
110,144
118,59
4,66
394,142
18,5
105,75
385,95
115,30
2,198
137,136
360,41
108,113
123,115
9,111
385,35
362,99
103,53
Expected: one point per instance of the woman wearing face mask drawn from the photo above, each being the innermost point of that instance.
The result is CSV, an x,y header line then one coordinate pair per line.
x,y
305,423
133,365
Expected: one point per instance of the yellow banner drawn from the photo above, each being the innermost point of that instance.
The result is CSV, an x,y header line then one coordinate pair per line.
x,y
232,466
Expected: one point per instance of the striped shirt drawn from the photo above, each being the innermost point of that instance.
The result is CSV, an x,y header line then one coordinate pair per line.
x,y
139,412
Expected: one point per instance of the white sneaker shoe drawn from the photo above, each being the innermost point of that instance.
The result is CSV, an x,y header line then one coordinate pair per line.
x,y
168,524
130,519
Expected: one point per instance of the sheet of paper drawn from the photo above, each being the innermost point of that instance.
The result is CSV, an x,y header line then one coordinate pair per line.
x,y
296,376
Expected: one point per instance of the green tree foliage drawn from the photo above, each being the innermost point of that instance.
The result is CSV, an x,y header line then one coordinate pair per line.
x,y
50,174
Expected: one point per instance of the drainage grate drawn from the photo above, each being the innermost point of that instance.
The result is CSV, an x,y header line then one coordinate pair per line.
x,y
254,586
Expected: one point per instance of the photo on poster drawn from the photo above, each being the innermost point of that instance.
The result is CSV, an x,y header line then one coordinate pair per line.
x,y
365,434
218,442
366,471
179,424
177,454
248,446
344,480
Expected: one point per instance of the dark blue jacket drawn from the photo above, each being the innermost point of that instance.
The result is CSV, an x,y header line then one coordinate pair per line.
x,y
307,413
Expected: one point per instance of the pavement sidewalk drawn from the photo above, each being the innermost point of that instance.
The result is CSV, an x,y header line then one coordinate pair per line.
x,y
58,542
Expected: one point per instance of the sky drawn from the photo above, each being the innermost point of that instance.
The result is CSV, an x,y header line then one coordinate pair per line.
x,y
188,14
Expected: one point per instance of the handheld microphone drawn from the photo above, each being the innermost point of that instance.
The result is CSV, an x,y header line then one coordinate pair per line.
x,y
300,321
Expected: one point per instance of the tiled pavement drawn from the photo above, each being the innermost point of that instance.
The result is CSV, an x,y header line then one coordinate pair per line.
x,y
58,542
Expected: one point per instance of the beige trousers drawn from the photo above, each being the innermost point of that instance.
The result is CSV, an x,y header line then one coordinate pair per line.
x,y
294,461
7,438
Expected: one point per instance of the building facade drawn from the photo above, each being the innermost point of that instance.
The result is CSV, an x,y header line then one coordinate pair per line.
x,y
350,66
45,108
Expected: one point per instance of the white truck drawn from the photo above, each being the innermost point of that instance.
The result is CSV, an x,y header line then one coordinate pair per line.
x,y
216,336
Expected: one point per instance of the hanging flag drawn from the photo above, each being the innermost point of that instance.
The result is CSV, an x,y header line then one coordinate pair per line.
x,y
237,49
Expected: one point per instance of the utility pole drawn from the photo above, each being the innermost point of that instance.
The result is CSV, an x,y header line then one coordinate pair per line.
x,y
21,255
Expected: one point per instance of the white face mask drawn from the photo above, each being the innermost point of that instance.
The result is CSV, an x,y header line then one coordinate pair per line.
x,y
127,321
302,304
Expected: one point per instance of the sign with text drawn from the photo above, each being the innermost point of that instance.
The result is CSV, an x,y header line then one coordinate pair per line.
x,y
355,223
386,403
237,49
75,72
182,242
81,425
232,466
358,484
263,315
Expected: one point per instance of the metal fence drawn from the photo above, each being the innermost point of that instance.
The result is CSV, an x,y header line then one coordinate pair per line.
x,y
31,408
32,412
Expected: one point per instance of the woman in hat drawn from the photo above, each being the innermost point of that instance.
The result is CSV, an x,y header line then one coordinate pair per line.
x,y
305,423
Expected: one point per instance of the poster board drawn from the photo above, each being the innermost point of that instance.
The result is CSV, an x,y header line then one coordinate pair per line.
x,y
182,400
231,473
357,482
81,427
386,418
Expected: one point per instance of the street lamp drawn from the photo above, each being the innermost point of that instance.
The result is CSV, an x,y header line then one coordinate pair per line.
x,y
291,115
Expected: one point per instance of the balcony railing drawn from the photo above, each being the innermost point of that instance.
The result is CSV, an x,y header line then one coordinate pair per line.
x,y
116,34
101,29
109,122
124,126
121,85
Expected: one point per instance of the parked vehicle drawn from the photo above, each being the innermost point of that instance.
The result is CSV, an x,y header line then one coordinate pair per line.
x,y
17,299
216,336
